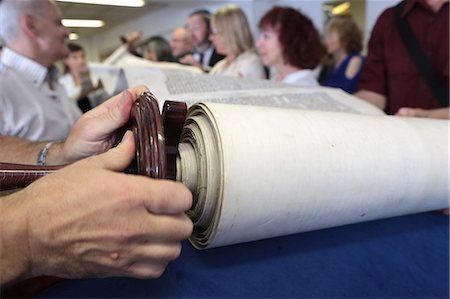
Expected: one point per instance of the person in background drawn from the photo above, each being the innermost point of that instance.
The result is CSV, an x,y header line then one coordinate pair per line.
x,y
127,49
89,219
390,79
33,104
291,45
157,48
231,36
344,44
76,79
180,43
204,54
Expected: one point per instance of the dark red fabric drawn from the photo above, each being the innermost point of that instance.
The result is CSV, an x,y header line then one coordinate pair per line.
x,y
389,70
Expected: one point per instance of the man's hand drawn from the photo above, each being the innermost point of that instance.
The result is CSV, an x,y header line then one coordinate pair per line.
x,y
94,132
90,220
442,113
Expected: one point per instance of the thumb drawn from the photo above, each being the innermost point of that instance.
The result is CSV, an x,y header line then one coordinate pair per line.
x,y
117,158
118,114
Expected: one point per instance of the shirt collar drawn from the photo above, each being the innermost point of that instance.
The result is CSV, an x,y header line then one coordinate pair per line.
x,y
32,70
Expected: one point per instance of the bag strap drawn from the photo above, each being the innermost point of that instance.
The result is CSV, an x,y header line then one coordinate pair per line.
x,y
429,74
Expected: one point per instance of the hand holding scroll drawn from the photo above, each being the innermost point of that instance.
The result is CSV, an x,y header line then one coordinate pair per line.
x,y
94,133
90,220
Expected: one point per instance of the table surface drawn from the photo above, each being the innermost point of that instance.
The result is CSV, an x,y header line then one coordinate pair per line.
x,y
398,257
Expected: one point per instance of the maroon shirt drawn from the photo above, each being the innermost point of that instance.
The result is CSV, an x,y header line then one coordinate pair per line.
x,y
389,70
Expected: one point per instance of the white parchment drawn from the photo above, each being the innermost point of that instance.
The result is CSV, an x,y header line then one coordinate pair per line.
x,y
286,171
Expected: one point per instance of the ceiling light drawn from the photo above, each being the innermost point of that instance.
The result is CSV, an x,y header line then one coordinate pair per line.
x,y
73,36
341,8
83,23
129,3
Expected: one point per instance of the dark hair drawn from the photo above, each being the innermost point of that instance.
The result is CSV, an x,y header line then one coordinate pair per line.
x,y
300,41
74,47
205,14
160,46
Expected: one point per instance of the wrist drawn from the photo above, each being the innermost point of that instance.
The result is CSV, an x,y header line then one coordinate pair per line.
x,y
51,154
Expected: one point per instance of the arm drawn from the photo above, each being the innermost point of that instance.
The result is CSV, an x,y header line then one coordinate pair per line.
x,y
372,97
442,113
92,134
17,150
372,84
127,47
68,225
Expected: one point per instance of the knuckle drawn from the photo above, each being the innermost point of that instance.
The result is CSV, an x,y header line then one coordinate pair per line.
x,y
188,227
174,252
158,271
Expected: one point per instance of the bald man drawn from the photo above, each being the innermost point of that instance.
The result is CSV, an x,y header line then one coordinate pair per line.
x,y
33,104
180,43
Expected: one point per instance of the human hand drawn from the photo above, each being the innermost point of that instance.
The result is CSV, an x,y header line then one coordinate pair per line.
x,y
442,113
89,220
131,37
94,132
190,60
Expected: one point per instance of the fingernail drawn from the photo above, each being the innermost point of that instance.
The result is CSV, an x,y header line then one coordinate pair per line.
x,y
125,94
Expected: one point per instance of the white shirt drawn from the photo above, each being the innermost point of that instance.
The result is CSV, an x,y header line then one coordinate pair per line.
x,y
207,54
29,108
304,77
246,65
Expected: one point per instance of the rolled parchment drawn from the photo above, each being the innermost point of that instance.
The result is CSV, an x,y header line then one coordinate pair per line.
x,y
260,172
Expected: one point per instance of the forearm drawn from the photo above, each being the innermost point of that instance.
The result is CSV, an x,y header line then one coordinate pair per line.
x,y
17,150
14,259
442,113
372,97
22,151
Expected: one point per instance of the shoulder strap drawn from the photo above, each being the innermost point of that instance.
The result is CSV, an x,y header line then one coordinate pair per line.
x,y
429,74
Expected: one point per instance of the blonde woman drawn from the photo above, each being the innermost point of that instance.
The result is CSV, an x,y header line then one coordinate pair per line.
x,y
344,43
231,36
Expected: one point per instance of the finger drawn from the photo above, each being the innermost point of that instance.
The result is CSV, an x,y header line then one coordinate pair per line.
x,y
114,101
403,112
412,112
149,253
116,111
166,229
117,158
167,197
146,270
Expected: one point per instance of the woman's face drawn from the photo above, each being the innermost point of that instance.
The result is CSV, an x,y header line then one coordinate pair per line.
x,y
76,61
270,48
217,39
332,42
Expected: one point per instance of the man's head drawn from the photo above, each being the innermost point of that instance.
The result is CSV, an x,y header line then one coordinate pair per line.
x,y
198,28
33,28
180,42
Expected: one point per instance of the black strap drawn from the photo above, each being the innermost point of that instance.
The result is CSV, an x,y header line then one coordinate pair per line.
x,y
429,74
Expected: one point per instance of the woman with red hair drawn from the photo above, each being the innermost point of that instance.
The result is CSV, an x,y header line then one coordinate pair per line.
x,y
290,44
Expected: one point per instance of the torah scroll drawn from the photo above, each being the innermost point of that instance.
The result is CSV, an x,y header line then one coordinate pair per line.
x,y
260,172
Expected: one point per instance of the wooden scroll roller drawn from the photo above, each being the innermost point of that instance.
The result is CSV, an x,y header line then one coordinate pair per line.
x,y
156,137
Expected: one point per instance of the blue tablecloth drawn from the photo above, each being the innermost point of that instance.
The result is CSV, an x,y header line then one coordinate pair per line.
x,y
398,257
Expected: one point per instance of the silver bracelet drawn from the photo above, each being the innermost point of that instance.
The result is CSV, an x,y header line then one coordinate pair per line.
x,y
43,153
